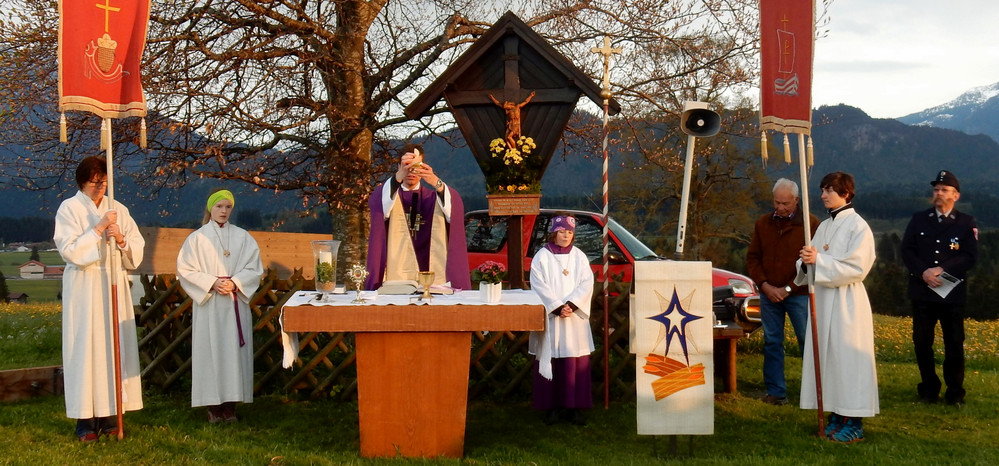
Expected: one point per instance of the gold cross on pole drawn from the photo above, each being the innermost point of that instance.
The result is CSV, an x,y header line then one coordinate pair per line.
x,y
107,13
607,52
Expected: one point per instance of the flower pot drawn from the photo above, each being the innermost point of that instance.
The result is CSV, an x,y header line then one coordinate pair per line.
x,y
490,292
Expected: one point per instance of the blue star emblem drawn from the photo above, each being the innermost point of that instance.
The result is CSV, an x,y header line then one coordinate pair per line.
x,y
675,318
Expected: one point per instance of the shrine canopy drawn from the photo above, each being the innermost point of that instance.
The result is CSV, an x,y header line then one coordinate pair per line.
x,y
514,66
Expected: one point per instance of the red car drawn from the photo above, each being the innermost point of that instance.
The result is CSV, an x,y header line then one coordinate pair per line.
x,y
486,238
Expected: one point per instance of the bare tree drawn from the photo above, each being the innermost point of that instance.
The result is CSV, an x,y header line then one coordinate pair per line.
x,y
307,95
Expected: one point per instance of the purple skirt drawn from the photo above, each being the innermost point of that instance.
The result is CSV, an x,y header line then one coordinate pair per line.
x,y
571,385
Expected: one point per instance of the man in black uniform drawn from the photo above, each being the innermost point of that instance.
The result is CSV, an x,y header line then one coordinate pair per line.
x,y
940,245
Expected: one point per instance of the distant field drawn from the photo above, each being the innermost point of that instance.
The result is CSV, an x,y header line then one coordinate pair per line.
x,y
9,261
37,290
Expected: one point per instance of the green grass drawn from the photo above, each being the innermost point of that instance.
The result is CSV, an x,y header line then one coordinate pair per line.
x,y
277,430
38,291
9,261
30,335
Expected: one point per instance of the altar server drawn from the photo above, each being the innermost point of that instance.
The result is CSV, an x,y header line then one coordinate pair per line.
x,y
219,267
88,230
842,254
561,275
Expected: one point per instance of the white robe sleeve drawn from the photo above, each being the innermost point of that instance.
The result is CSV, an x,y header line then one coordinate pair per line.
x,y
75,238
132,254
249,269
192,268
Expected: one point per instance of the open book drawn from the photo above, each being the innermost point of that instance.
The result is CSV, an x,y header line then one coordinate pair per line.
x,y
410,287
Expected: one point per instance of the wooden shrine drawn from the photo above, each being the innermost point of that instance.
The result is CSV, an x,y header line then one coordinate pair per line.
x,y
511,83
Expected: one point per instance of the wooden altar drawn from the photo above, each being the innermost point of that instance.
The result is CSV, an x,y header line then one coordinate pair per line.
x,y
413,362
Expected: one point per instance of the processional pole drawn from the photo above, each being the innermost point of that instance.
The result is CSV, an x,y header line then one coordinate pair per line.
x,y
605,94
112,251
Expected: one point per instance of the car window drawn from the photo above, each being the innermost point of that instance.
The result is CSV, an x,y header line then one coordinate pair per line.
x,y
484,233
589,237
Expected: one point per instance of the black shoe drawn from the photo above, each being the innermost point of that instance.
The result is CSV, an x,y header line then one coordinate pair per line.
x,y
577,417
929,399
773,400
551,417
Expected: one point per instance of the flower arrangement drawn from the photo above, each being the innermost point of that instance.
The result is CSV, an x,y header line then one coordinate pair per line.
x,y
511,174
489,272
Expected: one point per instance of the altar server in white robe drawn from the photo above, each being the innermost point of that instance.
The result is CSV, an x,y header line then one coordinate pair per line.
x,y
88,230
219,267
842,254
561,275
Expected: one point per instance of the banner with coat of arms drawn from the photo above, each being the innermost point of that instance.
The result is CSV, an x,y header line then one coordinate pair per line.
x,y
787,40
100,49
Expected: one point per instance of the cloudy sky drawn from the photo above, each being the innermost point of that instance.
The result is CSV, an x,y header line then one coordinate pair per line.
x,y
891,58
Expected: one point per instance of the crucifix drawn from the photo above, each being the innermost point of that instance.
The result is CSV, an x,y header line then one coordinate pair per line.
x,y
607,51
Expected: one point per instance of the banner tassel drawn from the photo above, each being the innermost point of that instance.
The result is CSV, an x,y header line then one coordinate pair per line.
x,y
62,128
105,143
763,149
142,133
787,150
810,152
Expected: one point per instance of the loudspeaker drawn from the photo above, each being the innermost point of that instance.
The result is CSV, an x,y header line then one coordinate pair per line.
x,y
700,122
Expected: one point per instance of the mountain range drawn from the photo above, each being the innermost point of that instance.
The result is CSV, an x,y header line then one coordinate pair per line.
x,y
974,112
889,159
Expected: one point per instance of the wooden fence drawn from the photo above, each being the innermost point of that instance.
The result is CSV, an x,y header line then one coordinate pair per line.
x,y
500,365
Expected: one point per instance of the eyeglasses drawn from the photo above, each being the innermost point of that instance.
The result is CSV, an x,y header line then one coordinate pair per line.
x,y
99,182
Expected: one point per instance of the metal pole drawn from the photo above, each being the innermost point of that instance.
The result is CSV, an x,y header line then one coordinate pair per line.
x,y
681,226
811,281
113,265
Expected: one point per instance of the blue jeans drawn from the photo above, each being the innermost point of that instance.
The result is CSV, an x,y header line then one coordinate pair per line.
x,y
772,314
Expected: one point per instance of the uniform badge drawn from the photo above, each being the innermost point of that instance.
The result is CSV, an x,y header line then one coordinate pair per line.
x,y
955,244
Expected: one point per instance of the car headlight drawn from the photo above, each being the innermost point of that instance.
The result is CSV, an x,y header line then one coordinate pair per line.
x,y
740,287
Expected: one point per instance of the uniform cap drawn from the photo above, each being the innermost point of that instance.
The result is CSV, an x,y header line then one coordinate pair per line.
x,y
948,179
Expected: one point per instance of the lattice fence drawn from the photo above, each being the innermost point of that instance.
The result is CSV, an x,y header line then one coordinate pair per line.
x,y
500,365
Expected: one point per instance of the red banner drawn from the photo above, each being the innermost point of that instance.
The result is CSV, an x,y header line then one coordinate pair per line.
x,y
787,40
100,47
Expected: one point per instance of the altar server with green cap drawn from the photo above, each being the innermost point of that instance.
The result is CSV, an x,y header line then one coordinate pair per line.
x,y
219,267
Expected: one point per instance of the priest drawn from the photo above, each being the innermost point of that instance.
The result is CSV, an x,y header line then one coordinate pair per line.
x,y
416,227
88,230
219,268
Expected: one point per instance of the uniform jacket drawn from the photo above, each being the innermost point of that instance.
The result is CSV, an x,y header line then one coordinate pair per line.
x,y
951,244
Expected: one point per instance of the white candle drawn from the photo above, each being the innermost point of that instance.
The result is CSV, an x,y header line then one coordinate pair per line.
x,y
326,257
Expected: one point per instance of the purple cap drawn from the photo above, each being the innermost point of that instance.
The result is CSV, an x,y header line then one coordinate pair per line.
x,y
563,222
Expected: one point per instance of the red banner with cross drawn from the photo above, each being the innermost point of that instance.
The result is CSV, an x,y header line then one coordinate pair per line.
x,y
100,48
787,39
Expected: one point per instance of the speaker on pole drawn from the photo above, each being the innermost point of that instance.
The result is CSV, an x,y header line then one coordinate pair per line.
x,y
698,122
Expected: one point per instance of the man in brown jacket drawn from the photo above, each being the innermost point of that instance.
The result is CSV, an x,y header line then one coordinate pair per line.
x,y
777,238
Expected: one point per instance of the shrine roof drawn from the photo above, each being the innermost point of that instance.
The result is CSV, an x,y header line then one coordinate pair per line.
x,y
509,23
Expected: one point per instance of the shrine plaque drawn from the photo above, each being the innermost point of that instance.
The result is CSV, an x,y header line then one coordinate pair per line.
x,y
514,204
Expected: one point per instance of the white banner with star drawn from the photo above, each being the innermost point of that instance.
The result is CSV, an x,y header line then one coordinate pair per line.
x,y
671,336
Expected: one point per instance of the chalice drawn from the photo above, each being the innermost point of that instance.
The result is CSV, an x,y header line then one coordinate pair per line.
x,y
425,279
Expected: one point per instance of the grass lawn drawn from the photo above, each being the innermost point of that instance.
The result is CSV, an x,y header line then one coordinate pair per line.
x,y
37,290
278,430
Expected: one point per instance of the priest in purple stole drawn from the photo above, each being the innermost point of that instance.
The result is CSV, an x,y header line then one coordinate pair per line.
x,y
411,227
